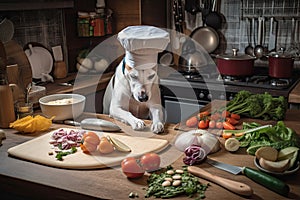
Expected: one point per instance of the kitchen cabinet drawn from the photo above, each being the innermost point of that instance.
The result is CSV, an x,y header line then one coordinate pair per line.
x,y
125,13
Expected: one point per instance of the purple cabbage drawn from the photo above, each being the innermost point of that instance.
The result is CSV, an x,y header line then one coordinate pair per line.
x,y
194,154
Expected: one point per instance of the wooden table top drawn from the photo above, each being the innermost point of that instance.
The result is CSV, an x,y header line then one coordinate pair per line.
x,y
27,179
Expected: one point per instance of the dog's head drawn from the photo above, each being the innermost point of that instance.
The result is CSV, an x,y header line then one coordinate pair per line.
x,y
141,82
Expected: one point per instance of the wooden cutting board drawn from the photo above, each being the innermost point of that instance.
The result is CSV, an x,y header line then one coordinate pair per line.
x,y
37,150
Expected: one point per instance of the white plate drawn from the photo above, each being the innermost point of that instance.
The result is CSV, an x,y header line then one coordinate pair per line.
x,y
40,59
287,172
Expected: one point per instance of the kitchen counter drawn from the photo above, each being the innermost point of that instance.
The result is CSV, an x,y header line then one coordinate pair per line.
x,y
21,179
84,83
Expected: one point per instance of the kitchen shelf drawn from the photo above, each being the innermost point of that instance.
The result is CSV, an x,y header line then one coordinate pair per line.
x,y
35,5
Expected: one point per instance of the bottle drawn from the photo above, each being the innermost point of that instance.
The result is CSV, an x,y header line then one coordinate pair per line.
x,y
7,111
99,28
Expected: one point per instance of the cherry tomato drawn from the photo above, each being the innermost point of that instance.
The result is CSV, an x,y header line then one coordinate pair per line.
x,y
225,113
191,122
203,124
216,116
228,126
212,124
219,125
150,161
132,168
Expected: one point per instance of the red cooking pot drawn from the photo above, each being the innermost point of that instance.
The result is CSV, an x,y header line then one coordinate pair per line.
x,y
235,65
280,65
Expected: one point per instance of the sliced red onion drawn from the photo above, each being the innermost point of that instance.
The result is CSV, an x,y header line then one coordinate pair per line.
x,y
194,155
66,140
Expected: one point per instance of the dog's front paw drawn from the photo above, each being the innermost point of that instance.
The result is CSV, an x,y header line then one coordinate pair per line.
x,y
138,125
157,127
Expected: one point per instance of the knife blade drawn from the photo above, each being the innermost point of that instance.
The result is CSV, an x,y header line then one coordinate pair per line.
x,y
94,124
262,178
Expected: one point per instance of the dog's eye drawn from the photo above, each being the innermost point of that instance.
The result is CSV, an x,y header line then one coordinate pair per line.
x,y
151,76
133,76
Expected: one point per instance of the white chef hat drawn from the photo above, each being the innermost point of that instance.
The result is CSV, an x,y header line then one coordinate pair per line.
x,y
142,45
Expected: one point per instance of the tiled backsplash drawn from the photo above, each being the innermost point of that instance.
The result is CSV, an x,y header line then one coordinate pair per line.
x,y
235,29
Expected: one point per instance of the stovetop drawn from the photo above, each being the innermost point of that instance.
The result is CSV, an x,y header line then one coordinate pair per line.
x,y
258,83
260,79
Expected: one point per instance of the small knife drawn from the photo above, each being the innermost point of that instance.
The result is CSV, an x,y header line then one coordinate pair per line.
x,y
94,124
264,179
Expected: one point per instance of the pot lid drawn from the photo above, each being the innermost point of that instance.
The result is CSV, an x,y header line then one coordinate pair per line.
x,y
235,56
280,54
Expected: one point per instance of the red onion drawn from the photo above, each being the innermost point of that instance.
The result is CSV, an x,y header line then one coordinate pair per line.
x,y
194,155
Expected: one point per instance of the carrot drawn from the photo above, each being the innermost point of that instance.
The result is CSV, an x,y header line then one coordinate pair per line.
x,y
191,122
228,126
203,114
235,116
226,135
232,120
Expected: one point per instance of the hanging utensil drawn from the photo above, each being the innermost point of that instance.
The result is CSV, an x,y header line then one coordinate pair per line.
x,y
273,34
234,186
259,49
214,19
249,49
262,178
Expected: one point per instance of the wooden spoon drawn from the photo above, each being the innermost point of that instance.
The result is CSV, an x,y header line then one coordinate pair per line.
x,y
233,186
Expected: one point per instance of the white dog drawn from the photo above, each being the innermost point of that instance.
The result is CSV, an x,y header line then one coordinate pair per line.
x,y
133,94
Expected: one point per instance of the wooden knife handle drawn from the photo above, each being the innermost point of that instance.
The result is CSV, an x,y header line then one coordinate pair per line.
x,y
234,186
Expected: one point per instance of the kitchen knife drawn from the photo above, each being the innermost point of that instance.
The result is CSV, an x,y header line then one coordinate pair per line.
x,y
234,186
94,124
264,179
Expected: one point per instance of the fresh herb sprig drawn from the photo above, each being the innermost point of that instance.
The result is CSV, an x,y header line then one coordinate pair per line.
x,y
190,186
60,155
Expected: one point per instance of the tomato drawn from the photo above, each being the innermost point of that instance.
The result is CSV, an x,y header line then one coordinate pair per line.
x,y
219,125
228,126
212,124
132,168
203,124
235,116
216,116
191,122
150,161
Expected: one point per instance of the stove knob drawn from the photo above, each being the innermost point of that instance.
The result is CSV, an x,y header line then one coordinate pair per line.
x,y
209,96
222,97
201,95
230,97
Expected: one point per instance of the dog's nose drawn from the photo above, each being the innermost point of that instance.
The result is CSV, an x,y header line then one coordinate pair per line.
x,y
143,97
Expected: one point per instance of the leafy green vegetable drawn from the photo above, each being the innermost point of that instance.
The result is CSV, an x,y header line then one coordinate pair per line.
x,y
190,186
60,155
278,136
262,106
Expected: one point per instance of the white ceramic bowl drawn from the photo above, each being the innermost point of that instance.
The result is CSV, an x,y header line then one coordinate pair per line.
x,y
62,111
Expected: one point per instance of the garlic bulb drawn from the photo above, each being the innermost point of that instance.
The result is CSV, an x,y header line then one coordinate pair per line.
x,y
202,138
